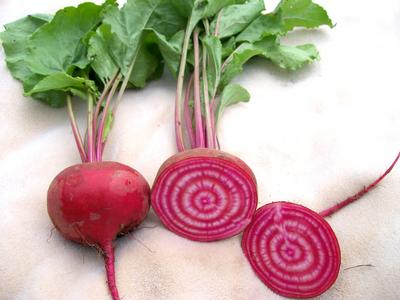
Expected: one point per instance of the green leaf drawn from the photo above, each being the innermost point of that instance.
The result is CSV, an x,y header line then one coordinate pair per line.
x,y
228,47
14,40
51,98
183,7
288,57
288,15
170,49
111,3
99,55
263,26
155,50
209,8
54,99
201,8
235,18
129,25
166,20
234,63
195,10
146,65
114,46
65,83
57,46
303,13
214,51
232,94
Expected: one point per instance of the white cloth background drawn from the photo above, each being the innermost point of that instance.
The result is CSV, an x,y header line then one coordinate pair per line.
x,y
312,137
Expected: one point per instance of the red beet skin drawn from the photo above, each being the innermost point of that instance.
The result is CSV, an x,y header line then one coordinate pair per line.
x,y
205,195
292,249
93,203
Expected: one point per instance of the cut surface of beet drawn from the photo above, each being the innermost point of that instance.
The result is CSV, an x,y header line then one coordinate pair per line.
x,y
205,195
292,249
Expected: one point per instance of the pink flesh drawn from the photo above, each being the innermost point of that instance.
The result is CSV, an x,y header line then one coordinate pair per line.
x,y
205,195
93,203
292,249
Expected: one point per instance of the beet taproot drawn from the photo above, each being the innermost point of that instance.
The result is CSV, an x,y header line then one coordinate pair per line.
x,y
93,203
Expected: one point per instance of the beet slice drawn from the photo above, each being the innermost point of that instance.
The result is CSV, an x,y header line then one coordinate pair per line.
x,y
292,249
205,195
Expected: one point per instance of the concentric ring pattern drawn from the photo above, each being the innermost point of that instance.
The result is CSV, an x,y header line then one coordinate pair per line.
x,y
205,198
292,249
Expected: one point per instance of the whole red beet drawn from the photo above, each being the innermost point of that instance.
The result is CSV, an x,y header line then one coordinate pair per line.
x,y
93,203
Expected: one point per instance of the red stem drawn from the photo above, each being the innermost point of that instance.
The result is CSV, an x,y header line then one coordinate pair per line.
x,y
330,211
75,130
213,102
101,99
179,90
197,99
188,114
218,23
213,124
207,108
108,255
100,133
90,130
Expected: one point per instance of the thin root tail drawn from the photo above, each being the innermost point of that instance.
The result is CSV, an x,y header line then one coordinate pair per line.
x,y
330,211
108,254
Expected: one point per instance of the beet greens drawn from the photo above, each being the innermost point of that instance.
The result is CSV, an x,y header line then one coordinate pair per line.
x,y
225,35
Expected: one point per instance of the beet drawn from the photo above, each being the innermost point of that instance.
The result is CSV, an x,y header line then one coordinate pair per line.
x,y
205,195
93,203
293,250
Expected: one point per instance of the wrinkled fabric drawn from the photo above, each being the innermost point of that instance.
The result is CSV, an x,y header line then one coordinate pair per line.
x,y
313,137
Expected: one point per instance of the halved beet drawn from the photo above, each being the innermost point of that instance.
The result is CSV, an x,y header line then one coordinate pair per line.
x,y
205,195
292,249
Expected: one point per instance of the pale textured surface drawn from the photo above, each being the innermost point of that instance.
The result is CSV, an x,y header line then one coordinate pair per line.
x,y
312,137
